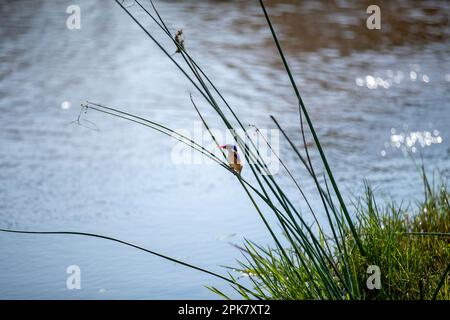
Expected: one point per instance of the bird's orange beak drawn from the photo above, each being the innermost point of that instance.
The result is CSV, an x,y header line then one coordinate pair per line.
x,y
222,147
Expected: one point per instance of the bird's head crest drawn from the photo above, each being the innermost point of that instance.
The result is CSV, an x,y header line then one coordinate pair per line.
x,y
229,147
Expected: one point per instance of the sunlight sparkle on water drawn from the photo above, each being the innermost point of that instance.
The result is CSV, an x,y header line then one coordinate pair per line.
x,y
412,140
392,77
65,105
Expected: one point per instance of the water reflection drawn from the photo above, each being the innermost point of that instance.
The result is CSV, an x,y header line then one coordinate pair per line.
x,y
342,24
410,141
390,78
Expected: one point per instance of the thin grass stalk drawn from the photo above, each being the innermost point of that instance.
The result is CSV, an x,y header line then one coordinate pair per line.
x,y
215,106
296,184
173,134
282,219
327,195
158,127
193,66
212,102
93,235
342,248
313,132
305,163
441,283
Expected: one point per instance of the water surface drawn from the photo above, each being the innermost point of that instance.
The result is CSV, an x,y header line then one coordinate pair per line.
x,y
371,94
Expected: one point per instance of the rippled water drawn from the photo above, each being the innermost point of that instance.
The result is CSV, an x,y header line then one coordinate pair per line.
x,y
372,95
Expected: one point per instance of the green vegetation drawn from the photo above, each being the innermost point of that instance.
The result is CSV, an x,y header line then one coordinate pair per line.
x,y
411,246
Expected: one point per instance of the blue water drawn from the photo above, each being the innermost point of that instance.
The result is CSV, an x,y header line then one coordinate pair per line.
x,y
365,92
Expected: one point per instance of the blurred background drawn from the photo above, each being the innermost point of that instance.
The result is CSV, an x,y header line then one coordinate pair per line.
x,y
373,95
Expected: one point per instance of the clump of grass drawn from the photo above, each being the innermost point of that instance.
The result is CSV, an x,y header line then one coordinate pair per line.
x,y
411,247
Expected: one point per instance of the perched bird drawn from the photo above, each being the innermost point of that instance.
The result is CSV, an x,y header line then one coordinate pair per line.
x,y
179,39
233,157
